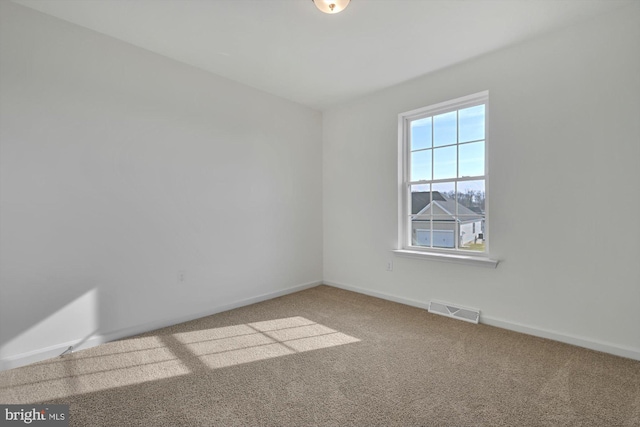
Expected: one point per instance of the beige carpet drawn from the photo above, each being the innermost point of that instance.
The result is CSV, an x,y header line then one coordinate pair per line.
x,y
330,357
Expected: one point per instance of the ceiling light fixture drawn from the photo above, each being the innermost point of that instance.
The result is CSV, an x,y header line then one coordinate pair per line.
x,y
331,6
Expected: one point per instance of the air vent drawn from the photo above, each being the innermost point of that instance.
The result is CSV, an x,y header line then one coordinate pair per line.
x,y
451,310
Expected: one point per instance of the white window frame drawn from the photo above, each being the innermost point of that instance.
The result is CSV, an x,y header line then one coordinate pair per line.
x,y
405,247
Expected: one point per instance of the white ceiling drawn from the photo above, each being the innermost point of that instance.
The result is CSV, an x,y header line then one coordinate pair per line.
x,y
291,49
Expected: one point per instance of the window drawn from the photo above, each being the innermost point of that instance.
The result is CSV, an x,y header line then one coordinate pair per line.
x,y
443,200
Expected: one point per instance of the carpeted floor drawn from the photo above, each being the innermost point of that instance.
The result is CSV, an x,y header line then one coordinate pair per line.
x,y
330,357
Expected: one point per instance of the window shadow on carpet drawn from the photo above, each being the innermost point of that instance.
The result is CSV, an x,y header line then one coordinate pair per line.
x,y
158,357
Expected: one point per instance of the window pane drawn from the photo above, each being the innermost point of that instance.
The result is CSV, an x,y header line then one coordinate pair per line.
x,y
420,198
443,233
471,123
472,235
421,233
444,163
421,134
421,165
444,193
444,129
471,197
471,158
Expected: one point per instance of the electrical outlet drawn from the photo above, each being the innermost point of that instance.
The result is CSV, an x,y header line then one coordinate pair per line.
x,y
389,265
182,276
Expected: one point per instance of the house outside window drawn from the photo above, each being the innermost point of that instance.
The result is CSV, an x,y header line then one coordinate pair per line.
x,y
443,169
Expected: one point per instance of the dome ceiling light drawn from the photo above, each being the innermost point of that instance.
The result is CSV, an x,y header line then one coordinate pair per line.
x,y
331,6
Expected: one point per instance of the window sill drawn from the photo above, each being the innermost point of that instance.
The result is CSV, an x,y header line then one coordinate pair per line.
x,y
455,258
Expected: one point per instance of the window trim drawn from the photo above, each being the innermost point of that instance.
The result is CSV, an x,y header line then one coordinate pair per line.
x,y
480,261
404,152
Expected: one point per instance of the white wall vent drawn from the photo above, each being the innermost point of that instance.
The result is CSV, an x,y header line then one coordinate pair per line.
x,y
451,310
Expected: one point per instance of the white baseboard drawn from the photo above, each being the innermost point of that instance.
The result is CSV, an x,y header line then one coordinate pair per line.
x,y
41,354
38,355
381,295
605,347
589,343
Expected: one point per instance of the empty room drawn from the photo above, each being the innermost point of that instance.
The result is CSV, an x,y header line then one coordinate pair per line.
x,y
319,213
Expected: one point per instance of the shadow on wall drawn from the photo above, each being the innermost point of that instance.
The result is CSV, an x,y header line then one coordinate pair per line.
x,y
47,326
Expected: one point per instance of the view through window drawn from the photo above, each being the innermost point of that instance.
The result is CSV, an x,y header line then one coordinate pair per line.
x,y
444,203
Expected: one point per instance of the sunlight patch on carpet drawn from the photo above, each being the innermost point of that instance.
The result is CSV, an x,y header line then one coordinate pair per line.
x,y
146,359
117,364
235,345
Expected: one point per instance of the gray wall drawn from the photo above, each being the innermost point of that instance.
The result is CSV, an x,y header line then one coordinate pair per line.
x,y
563,147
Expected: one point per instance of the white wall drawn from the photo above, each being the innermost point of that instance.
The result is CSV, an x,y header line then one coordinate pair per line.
x,y
120,168
564,152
